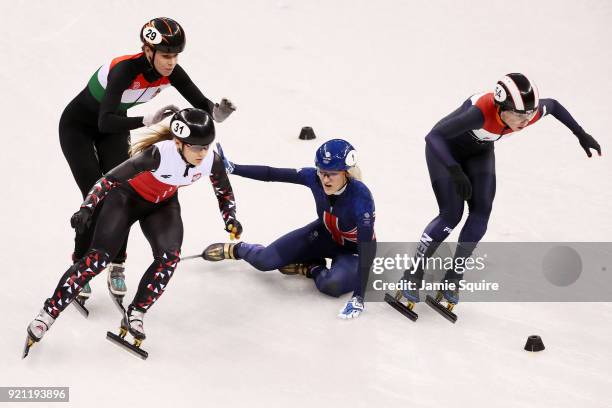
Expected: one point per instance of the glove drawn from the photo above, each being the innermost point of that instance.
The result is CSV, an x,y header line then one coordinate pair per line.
x,y
222,110
462,182
229,166
588,142
234,228
81,220
352,309
159,115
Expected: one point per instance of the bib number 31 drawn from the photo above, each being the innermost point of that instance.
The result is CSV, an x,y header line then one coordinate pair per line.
x,y
180,129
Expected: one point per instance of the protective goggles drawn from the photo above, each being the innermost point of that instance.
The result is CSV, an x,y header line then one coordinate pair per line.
x,y
328,174
196,148
527,115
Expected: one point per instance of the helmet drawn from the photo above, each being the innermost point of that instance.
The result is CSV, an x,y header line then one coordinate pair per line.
x,y
193,126
515,92
163,34
335,155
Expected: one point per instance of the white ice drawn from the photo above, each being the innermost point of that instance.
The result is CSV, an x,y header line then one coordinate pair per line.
x,y
379,73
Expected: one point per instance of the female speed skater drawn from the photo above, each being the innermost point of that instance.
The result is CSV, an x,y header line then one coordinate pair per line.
x,y
461,162
343,230
95,130
144,188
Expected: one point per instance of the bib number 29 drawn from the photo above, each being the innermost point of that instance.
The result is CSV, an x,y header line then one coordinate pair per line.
x,y
151,35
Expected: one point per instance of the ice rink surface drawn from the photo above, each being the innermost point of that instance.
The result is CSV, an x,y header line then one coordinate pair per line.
x,y
379,74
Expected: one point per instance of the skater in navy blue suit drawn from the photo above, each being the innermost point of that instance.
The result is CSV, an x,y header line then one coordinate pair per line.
x,y
343,230
461,162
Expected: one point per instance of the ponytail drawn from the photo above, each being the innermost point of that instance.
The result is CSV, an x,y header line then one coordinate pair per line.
x,y
150,137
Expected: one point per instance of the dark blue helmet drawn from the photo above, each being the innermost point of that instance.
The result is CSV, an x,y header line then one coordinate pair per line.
x,y
335,155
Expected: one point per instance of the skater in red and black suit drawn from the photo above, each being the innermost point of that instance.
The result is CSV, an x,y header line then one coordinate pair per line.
x,y
95,130
144,188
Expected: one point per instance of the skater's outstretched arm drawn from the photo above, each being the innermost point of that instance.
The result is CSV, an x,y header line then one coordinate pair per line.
x,y
183,83
265,173
553,107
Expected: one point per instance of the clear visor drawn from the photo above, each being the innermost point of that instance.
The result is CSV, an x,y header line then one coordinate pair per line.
x,y
527,115
196,148
328,174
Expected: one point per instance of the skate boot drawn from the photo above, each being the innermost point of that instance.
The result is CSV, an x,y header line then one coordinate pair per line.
x,y
84,294
39,326
220,251
36,330
450,293
304,269
116,280
410,289
410,292
133,322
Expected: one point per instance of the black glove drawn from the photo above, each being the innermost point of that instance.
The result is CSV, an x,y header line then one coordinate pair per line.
x,y
462,182
234,228
81,220
588,142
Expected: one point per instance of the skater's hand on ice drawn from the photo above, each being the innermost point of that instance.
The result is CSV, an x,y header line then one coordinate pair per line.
x,y
81,219
223,109
461,181
588,142
352,309
159,115
229,166
234,228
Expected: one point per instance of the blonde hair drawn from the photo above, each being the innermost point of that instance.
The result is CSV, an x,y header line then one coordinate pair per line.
x,y
150,137
354,173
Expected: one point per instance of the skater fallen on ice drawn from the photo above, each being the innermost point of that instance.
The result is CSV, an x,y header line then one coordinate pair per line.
x,y
343,230
144,188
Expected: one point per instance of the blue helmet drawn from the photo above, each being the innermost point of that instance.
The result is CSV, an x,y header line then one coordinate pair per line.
x,y
335,155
